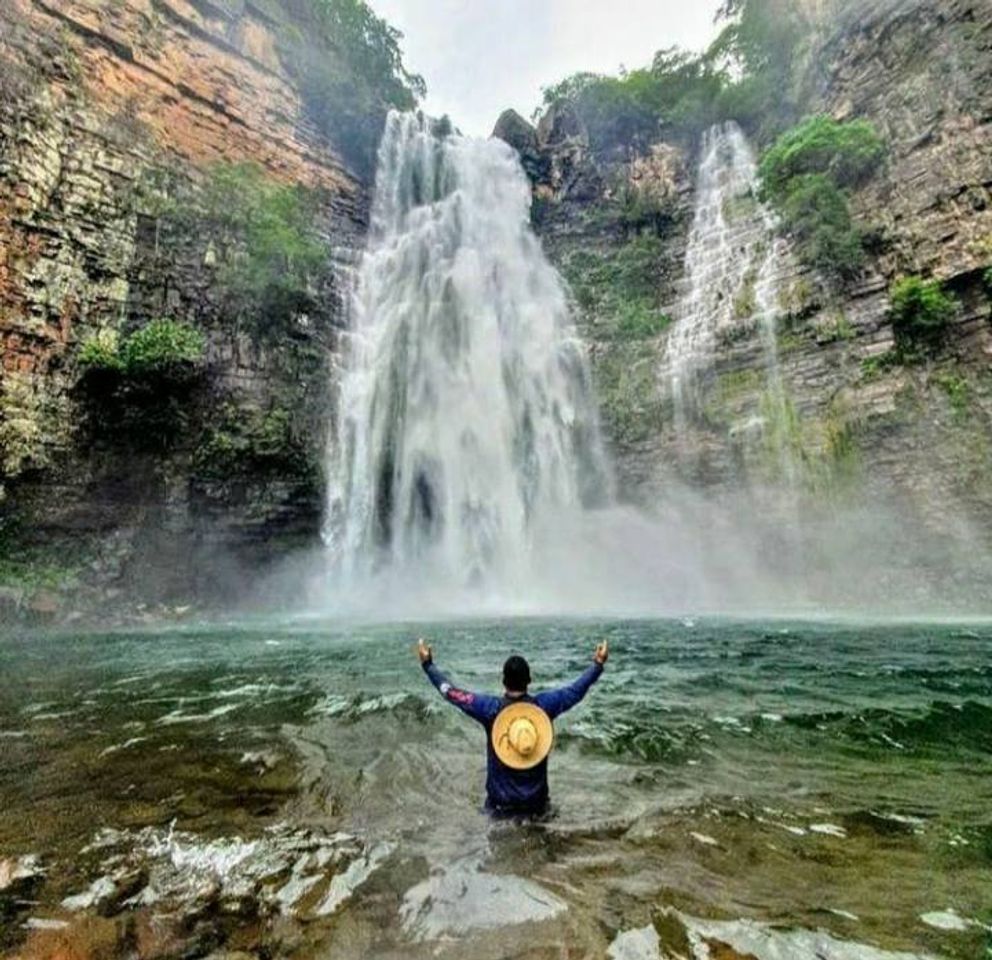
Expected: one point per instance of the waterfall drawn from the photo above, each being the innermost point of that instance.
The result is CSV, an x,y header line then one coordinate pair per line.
x,y
733,270
466,426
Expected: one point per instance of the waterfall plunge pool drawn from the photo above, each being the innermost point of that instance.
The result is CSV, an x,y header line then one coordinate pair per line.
x,y
778,787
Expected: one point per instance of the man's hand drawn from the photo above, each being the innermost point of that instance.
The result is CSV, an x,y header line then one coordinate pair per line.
x,y
424,651
602,653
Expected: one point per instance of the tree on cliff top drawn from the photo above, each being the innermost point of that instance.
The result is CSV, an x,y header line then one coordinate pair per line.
x,y
675,92
350,70
745,75
760,36
372,49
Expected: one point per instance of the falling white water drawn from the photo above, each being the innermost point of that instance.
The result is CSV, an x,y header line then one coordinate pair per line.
x,y
466,426
733,267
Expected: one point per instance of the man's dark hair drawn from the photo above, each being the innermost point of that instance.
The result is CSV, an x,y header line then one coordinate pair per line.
x,y
516,673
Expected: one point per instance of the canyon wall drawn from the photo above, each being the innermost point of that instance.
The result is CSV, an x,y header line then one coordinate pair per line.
x,y
101,102
912,440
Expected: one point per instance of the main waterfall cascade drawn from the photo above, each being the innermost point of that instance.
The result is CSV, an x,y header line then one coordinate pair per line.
x,y
466,429
734,266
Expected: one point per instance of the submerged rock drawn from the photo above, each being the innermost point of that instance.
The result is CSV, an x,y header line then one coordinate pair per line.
x,y
86,938
463,899
284,872
18,871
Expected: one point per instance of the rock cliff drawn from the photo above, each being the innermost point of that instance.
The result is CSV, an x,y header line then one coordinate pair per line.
x,y
914,440
101,102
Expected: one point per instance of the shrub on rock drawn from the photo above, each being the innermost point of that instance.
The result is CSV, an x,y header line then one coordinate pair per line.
x,y
921,311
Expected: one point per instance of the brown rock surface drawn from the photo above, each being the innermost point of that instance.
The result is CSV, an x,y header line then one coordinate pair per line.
x,y
97,97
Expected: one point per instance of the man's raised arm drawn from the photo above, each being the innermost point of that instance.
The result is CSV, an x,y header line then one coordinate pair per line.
x,y
555,702
478,706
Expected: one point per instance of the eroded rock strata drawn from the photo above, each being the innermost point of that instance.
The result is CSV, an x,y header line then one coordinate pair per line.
x,y
101,101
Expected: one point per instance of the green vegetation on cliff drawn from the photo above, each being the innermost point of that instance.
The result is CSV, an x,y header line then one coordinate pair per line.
x,y
617,292
805,174
618,289
844,153
164,347
137,389
271,260
253,242
958,391
920,311
816,214
350,70
745,76
626,375
252,442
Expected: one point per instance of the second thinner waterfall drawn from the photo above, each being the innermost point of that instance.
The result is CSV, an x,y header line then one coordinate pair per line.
x,y
734,266
466,425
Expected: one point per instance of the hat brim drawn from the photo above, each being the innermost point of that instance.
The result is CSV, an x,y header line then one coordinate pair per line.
x,y
500,735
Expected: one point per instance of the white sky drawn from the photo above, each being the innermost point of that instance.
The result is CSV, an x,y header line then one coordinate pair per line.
x,y
481,56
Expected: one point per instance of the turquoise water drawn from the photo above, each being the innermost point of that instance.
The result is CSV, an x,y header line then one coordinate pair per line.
x,y
803,777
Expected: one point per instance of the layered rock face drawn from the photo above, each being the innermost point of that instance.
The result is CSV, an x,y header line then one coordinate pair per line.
x,y
97,99
804,412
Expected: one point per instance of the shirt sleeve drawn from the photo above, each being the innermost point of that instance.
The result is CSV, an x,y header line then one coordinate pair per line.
x,y
478,706
555,702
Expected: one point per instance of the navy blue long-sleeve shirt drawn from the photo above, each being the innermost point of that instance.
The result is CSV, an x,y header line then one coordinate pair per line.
x,y
509,790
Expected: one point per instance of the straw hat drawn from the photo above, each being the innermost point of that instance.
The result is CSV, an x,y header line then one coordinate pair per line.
x,y
522,735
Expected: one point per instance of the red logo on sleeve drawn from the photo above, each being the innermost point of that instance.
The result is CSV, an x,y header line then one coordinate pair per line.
x,y
460,696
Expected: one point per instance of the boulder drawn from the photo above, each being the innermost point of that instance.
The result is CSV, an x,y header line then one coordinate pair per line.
x,y
514,130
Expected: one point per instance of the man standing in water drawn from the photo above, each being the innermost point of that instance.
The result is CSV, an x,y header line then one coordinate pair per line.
x,y
519,734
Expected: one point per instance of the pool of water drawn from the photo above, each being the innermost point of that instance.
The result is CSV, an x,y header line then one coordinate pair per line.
x,y
775,789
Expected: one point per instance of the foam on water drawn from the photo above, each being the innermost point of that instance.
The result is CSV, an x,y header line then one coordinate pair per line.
x,y
944,920
828,829
15,869
98,890
177,716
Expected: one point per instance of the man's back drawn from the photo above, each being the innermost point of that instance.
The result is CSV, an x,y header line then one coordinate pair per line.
x,y
511,790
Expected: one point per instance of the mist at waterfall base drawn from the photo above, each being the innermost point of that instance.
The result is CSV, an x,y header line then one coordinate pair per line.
x,y
466,469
